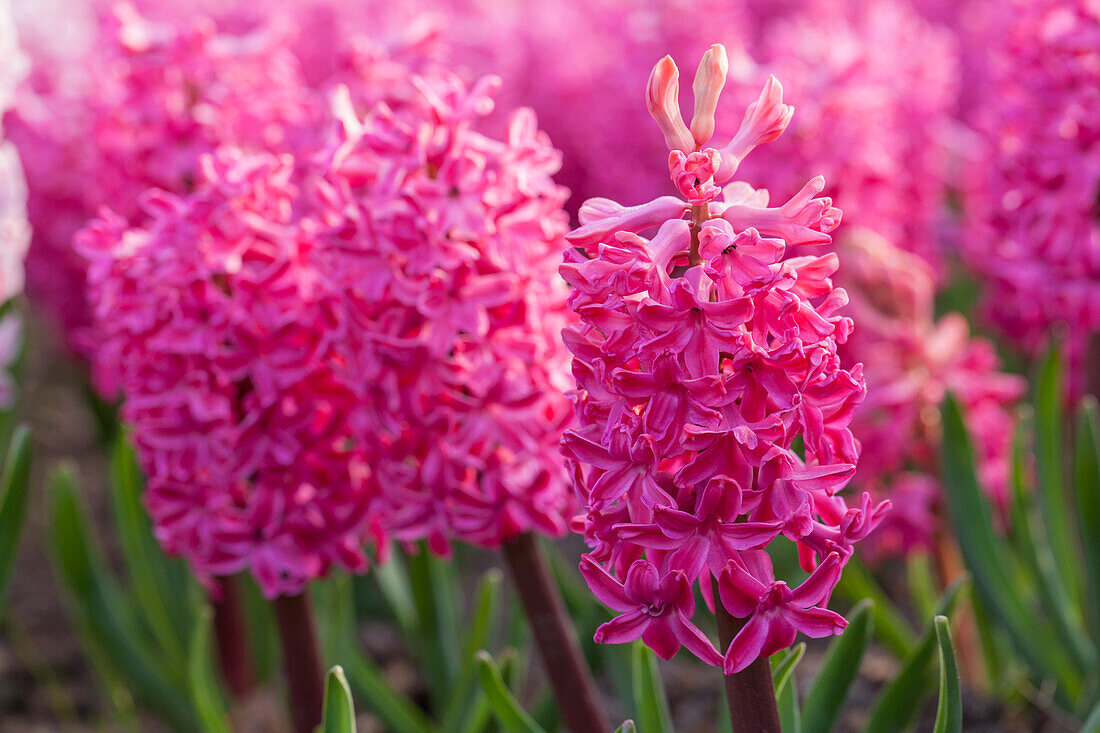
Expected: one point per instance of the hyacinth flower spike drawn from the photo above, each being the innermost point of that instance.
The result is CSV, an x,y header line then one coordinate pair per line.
x,y
702,352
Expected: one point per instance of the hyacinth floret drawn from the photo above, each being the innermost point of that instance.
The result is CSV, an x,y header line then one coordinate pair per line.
x,y
701,357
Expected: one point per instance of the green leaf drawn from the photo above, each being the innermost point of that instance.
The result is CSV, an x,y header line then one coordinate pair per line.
x,y
650,702
1034,548
1087,480
337,626
627,727
339,711
922,583
13,503
436,597
158,584
949,710
786,692
838,671
107,625
900,702
783,666
203,684
393,582
486,604
506,709
1049,446
986,557
1092,722
856,584
396,710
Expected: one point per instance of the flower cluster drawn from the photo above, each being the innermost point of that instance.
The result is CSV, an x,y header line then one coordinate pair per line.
x,y
911,361
356,342
701,357
222,329
14,229
450,242
164,95
872,114
1034,207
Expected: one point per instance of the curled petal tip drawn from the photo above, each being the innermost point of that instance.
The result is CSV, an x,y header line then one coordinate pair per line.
x,y
709,80
662,99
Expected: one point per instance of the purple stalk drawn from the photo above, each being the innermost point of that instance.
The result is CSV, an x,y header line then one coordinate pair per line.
x,y
570,678
750,693
301,660
231,634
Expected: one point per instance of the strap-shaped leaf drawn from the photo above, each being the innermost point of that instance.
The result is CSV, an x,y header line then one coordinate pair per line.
x,y
205,693
337,626
650,702
857,583
105,622
899,703
988,558
786,692
434,589
839,670
783,666
949,710
1092,722
13,503
159,586
1087,480
507,710
339,710
464,691
1049,447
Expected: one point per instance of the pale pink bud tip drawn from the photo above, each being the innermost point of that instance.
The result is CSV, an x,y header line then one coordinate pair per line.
x,y
709,80
764,121
662,95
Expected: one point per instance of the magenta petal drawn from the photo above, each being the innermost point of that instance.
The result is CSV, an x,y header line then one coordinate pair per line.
x,y
820,584
603,586
816,622
739,591
623,629
696,641
642,582
745,647
660,637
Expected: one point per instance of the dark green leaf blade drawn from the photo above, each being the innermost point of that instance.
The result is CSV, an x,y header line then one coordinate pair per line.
x,y
949,710
839,670
14,487
507,710
339,710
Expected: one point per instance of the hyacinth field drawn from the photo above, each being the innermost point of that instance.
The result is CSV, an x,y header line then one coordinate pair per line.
x,y
616,366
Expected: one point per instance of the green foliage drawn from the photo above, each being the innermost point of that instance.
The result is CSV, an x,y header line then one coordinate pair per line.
x,y
650,704
339,711
900,701
839,670
14,487
1030,583
108,617
507,710
949,710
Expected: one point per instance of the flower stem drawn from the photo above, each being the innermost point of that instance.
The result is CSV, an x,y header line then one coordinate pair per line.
x,y
573,685
231,634
750,693
301,660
